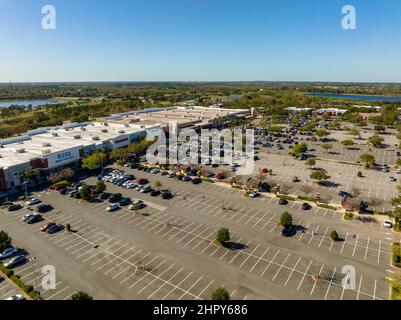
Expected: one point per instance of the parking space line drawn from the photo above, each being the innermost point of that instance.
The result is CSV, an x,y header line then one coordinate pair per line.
x,y
190,288
190,274
331,281
270,262
353,252
345,241
292,271
251,254
168,281
315,282
281,266
359,288
205,288
304,275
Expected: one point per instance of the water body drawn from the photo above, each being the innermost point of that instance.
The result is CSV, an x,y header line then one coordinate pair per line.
x,y
355,97
26,103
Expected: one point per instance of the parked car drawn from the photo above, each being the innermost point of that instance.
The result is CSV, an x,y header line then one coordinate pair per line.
x,y
171,175
35,218
145,189
125,201
25,217
186,178
154,193
254,194
392,179
14,207
46,226
288,231
44,208
220,176
115,198
55,228
166,194
112,207
8,253
16,261
387,224
154,171
136,204
344,194
142,181
196,181
306,206
17,296
33,202
283,202
294,179
104,196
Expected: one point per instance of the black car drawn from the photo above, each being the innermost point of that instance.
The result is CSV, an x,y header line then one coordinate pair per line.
x,y
115,198
63,191
166,195
154,193
14,207
104,196
16,261
196,181
306,206
288,231
34,219
125,201
283,202
44,208
55,228
164,173
344,194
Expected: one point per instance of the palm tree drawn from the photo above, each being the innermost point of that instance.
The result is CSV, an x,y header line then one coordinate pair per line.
x,y
26,176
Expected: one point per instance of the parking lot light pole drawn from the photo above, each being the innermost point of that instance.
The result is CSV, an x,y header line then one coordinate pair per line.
x,y
34,275
26,189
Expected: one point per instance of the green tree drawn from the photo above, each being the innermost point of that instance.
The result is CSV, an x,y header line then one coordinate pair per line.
x,y
157,185
81,295
223,236
376,141
85,194
94,161
286,219
310,162
100,187
334,235
347,143
299,148
220,294
327,147
5,241
319,175
367,159
398,162
354,132
380,128
322,133
119,154
26,177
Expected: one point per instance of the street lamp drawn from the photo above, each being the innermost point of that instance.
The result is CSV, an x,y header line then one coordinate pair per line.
x,y
34,275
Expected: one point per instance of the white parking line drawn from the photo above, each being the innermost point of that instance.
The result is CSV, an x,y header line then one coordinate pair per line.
x,y
270,262
331,281
304,275
292,271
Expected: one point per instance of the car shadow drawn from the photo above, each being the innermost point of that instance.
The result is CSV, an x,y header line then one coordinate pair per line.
x,y
235,245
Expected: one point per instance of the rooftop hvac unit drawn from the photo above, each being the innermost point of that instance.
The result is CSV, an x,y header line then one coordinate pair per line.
x,y
105,124
21,150
96,138
121,131
46,144
104,130
46,151
55,134
78,136
83,128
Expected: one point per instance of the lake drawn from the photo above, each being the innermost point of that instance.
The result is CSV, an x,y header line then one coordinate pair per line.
x,y
33,103
355,97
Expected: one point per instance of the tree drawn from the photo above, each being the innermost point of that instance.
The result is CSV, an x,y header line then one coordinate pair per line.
x,y
376,141
81,295
100,187
95,160
286,219
157,185
26,176
397,217
380,128
310,162
398,162
327,147
299,148
347,143
367,159
354,132
5,241
322,133
319,175
334,235
85,194
220,294
359,174
223,236
119,154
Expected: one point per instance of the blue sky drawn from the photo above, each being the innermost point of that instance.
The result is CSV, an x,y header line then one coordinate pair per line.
x,y
200,40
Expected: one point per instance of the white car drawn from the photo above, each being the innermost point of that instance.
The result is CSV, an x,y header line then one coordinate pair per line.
x,y
25,217
154,171
7,253
387,224
392,179
16,297
112,207
33,201
253,194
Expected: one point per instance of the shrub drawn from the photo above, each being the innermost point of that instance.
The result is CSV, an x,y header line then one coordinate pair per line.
x,y
63,183
7,272
348,216
326,206
221,294
306,198
81,295
288,198
21,284
207,180
334,235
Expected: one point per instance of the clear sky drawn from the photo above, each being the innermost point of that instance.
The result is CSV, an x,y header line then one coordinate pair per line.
x,y
200,40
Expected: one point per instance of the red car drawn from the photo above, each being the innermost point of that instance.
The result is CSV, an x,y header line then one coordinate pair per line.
x,y
220,176
46,226
294,179
264,170
142,181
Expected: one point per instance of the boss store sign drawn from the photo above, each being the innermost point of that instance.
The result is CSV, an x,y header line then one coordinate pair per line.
x,y
63,157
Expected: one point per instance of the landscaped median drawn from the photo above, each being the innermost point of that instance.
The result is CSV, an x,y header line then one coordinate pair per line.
x,y
396,254
27,289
